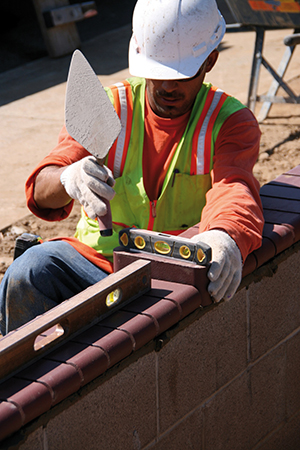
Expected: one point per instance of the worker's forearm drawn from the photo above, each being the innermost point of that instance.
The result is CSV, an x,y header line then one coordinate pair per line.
x,y
48,190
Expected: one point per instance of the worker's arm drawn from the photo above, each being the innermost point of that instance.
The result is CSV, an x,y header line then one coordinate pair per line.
x,y
233,203
74,176
232,220
46,196
48,189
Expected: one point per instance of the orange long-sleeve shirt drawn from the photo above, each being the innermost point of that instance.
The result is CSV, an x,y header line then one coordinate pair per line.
x,y
233,203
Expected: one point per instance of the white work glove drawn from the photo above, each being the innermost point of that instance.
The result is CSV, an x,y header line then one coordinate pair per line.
x,y
86,181
225,271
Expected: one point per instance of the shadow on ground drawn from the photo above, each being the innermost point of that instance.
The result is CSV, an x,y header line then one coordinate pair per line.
x,y
22,44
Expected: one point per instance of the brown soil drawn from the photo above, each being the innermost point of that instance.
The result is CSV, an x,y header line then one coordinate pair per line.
x,y
279,152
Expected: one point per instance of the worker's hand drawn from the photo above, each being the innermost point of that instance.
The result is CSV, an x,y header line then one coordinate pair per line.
x,y
88,182
225,272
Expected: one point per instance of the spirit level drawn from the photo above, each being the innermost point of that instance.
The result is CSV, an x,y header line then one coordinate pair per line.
x,y
165,245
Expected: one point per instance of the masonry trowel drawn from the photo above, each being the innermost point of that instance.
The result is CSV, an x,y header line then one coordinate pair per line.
x,y
90,118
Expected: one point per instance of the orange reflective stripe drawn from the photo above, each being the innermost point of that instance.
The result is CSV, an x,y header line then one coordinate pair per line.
x,y
123,225
201,146
208,101
128,124
208,136
120,153
117,106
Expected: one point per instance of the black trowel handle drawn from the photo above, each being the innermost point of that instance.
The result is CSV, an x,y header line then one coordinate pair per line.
x,y
105,222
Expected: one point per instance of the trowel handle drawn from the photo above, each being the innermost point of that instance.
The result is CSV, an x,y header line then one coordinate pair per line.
x,y
105,222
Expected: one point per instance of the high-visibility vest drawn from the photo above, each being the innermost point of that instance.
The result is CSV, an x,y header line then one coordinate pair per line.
x,y
182,197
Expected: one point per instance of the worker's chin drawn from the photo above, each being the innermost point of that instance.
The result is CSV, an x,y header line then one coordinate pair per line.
x,y
169,111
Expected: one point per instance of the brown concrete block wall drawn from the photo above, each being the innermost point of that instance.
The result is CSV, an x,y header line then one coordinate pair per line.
x,y
249,408
258,399
238,367
227,377
118,414
187,434
35,441
274,307
285,437
292,375
200,359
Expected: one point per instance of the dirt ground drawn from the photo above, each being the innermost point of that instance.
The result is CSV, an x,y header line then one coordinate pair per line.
x,y
279,152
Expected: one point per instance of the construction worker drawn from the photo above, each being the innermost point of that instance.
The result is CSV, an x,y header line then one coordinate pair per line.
x,y
186,152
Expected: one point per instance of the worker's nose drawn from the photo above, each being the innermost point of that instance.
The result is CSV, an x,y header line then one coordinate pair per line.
x,y
169,85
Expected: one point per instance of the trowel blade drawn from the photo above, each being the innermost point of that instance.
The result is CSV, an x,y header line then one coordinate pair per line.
x,y
89,114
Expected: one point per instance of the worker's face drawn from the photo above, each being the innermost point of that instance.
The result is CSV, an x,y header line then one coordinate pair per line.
x,y
173,98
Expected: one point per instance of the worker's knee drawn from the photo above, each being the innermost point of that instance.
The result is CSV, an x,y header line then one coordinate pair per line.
x,y
44,276
30,266
29,288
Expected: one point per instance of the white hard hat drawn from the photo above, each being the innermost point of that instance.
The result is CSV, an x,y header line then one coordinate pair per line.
x,y
172,38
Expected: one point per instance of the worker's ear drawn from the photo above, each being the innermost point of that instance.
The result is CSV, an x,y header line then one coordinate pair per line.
x,y
211,60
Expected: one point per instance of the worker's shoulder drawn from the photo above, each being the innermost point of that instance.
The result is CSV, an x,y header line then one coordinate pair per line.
x,y
233,114
242,120
218,97
234,108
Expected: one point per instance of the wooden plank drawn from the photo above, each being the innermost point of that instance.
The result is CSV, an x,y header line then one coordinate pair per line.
x,y
60,40
31,341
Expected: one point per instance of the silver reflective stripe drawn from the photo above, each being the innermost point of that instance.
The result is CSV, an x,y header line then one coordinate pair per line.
x,y
202,134
122,135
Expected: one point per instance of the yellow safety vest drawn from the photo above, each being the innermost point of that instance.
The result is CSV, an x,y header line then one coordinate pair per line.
x,y
182,198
